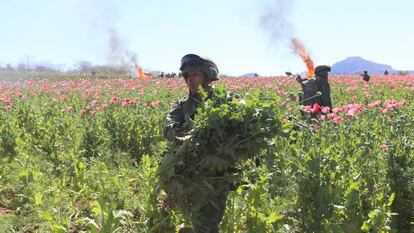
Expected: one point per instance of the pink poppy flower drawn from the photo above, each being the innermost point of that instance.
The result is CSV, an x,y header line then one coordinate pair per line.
x,y
325,109
322,117
354,98
316,108
155,103
337,119
6,99
306,108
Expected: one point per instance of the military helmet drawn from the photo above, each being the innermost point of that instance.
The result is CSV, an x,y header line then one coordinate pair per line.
x,y
193,62
321,69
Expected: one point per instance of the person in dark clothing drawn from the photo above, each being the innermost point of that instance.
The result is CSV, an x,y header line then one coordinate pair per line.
x,y
365,76
322,73
197,71
386,72
317,89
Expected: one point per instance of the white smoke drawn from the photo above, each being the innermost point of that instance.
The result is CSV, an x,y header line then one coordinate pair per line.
x,y
100,18
274,20
118,52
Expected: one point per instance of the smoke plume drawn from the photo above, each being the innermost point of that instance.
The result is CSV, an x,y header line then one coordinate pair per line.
x,y
118,51
100,18
274,21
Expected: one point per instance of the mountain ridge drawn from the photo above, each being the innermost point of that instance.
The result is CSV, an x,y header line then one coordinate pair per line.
x,y
357,65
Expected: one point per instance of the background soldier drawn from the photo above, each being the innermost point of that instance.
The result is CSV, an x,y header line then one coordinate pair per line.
x,y
365,76
197,71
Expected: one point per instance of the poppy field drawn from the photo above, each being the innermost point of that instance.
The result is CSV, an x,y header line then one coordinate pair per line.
x,y
81,155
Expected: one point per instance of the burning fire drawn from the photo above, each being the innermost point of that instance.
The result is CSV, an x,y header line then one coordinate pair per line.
x,y
299,49
140,72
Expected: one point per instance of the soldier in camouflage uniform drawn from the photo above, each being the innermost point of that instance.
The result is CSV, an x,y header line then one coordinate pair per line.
x,y
197,71
321,73
312,86
365,76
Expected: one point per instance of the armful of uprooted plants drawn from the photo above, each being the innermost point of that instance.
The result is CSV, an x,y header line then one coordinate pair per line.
x,y
226,133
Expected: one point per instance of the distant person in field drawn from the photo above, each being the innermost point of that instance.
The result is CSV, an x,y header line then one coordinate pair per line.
x,y
198,71
386,72
317,90
365,76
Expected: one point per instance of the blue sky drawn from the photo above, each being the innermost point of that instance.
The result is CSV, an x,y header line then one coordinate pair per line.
x,y
230,32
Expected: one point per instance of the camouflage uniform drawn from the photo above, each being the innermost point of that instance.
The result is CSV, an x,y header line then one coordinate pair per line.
x,y
320,83
210,215
365,76
180,116
324,87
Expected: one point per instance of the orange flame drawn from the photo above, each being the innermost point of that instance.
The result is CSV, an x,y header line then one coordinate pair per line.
x,y
140,72
299,49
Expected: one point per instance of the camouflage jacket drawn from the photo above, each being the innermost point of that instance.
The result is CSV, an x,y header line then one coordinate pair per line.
x,y
365,77
312,86
325,98
180,115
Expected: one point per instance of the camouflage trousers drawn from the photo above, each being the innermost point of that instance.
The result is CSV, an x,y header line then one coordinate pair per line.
x,y
211,214
208,218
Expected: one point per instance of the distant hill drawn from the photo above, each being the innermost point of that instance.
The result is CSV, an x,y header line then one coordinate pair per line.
x,y
356,65
250,75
